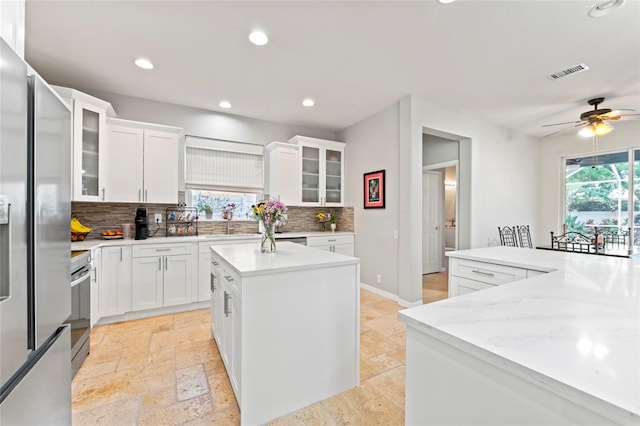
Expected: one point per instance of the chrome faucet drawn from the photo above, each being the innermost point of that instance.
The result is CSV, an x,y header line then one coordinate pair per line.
x,y
229,229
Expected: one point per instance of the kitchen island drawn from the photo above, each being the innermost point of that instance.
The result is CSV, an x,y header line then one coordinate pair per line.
x,y
286,324
562,347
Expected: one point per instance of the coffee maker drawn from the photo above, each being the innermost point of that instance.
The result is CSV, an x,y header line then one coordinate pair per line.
x,y
142,226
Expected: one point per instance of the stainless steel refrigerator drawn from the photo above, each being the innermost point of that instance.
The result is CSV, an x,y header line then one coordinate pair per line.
x,y
35,293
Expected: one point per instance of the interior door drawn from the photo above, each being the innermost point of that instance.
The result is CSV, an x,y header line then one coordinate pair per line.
x,y
432,207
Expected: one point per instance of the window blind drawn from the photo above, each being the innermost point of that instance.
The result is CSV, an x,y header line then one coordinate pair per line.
x,y
223,166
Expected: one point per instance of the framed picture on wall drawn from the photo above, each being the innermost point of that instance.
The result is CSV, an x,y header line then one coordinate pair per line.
x,y
374,192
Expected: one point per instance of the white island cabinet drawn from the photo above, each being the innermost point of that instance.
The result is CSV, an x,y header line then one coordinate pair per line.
x,y
552,348
286,324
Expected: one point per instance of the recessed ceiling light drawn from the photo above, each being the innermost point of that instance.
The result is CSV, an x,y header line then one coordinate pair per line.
x,y
308,102
258,38
225,104
144,63
446,1
605,8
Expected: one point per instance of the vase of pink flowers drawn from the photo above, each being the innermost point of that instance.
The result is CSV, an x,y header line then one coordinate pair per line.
x,y
268,213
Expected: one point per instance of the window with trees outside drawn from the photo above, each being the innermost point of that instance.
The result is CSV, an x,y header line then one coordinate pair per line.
x,y
602,192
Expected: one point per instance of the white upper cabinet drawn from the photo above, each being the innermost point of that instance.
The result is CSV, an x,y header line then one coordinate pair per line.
x,y
142,162
305,172
282,172
321,171
88,147
12,24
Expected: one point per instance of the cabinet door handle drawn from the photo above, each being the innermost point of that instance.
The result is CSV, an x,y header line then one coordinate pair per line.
x,y
166,263
103,191
488,274
94,274
145,195
139,194
227,296
166,249
159,264
331,241
120,254
229,278
213,283
215,263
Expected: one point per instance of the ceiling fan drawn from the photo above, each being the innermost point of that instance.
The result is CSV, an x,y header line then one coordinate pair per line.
x,y
595,121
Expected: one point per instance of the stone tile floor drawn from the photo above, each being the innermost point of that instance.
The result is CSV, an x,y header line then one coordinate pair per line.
x,y
166,370
435,287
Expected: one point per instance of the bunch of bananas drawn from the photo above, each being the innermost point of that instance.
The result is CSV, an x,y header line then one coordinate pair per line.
x,y
79,228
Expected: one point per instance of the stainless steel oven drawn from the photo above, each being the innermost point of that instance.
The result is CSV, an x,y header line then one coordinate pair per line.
x,y
80,319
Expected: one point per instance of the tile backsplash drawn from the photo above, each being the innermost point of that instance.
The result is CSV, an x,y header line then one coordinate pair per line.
x,y
104,216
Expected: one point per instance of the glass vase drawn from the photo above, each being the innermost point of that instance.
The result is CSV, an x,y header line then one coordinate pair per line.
x,y
268,244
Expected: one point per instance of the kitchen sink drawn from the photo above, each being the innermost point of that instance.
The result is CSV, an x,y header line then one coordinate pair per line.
x,y
232,236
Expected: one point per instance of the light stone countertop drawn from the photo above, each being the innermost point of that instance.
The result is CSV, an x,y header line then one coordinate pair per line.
x,y
574,330
247,260
95,243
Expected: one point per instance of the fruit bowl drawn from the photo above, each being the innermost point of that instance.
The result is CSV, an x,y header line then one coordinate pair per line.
x,y
78,236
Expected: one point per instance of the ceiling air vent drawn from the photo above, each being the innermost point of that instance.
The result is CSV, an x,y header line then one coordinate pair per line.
x,y
573,70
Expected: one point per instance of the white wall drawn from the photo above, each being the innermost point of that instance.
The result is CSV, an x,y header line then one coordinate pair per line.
x,y
504,172
554,149
205,123
372,144
503,184
438,150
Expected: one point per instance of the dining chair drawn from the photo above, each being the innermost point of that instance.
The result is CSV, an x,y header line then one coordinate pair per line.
x,y
508,236
524,235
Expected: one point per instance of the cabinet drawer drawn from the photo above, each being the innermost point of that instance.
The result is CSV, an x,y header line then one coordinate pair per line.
x,y
330,240
467,286
231,280
148,250
488,273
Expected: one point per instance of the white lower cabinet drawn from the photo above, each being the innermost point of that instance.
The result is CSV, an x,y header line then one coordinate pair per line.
x,y
216,301
342,244
114,287
147,283
96,258
162,275
226,320
204,265
466,276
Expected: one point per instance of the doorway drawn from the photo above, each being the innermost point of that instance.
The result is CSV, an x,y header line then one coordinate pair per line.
x,y
440,213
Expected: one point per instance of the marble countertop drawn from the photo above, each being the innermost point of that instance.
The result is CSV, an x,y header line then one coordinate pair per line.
x,y
574,330
95,243
247,260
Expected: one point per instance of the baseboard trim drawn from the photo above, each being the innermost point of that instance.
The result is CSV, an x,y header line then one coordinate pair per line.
x,y
134,315
390,296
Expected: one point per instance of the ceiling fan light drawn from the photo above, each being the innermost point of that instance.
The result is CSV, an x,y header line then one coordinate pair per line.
x,y
588,131
602,128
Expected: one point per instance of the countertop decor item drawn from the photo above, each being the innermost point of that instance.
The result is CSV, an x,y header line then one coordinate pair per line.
x,y
181,221
227,211
374,191
269,212
325,218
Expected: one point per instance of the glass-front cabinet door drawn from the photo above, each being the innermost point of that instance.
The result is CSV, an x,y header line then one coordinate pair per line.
x,y
333,177
88,140
90,152
310,175
321,171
